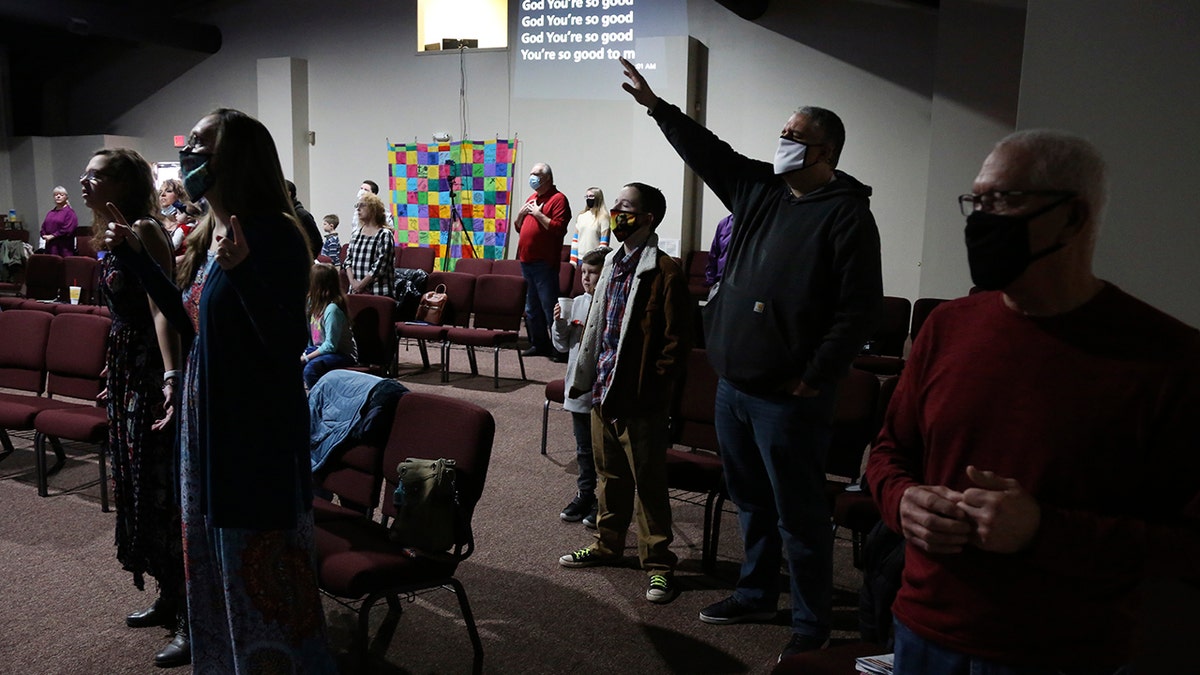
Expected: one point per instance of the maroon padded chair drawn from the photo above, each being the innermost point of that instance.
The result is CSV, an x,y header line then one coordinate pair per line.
x,y
357,561
460,294
696,263
556,392
83,272
44,277
476,266
355,478
415,257
884,352
855,424
509,267
577,282
854,508
75,356
83,245
698,469
566,253
921,309
23,369
566,279
373,322
498,306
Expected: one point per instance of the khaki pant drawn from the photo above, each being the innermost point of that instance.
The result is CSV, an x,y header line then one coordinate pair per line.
x,y
631,464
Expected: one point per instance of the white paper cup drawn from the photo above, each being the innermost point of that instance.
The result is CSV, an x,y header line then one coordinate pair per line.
x,y
564,308
75,295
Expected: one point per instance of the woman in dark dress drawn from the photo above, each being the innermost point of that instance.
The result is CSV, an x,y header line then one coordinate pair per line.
x,y
143,363
245,474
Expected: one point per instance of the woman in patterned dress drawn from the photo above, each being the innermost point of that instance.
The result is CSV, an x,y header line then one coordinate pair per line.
x,y
371,259
143,371
246,479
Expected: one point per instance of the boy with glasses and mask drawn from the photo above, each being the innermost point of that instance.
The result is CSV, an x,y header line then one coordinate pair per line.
x,y
1038,455
631,356
800,292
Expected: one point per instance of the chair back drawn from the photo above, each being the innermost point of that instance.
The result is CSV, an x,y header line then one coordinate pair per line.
x,y
83,244
499,301
921,309
372,319
511,267
577,282
356,478
566,279
855,422
460,295
889,337
44,277
566,253
476,266
23,337
693,422
430,426
84,272
415,257
697,262
76,353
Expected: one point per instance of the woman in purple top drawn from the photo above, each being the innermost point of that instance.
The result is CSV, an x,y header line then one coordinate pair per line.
x,y
58,229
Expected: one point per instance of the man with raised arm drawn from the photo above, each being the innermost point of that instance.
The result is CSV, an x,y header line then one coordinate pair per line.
x,y
800,292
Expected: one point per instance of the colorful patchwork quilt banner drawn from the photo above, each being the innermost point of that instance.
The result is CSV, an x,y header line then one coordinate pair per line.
x,y
432,183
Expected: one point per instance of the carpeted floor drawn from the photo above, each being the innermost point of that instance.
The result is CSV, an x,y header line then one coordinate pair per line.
x,y
63,596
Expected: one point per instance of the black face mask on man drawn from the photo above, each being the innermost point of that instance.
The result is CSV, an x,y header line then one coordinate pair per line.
x,y
998,246
197,176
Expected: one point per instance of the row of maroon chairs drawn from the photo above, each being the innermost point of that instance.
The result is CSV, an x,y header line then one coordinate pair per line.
x,y
9,302
482,311
48,277
570,280
47,359
357,562
883,354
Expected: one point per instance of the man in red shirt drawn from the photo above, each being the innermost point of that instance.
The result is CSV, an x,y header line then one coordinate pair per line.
x,y
1039,453
542,225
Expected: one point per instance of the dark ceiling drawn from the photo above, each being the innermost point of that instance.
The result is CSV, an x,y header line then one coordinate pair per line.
x,y
52,45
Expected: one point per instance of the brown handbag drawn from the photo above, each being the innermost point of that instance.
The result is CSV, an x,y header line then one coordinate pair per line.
x,y
433,305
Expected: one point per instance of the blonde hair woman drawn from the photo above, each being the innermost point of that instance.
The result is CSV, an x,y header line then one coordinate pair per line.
x,y
591,225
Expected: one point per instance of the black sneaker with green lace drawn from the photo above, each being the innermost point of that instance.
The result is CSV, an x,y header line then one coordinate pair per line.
x,y
662,589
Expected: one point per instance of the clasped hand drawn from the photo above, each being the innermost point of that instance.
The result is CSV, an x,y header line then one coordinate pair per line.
x,y
998,515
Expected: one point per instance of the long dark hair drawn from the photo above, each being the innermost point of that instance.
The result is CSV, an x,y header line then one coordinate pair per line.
x,y
324,289
137,198
249,183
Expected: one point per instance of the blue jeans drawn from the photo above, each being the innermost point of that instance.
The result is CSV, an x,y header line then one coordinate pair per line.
x,y
541,294
773,449
318,366
583,453
917,656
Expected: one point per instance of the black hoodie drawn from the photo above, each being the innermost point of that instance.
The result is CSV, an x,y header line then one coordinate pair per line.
x,y
802,286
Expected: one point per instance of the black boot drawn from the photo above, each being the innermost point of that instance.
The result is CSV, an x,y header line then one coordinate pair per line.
x,y
178,651
161,613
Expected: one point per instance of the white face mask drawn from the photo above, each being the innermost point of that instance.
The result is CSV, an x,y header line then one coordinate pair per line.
x,y
361,192
789,156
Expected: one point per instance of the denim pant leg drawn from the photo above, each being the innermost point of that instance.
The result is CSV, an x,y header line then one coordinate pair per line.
x,y
583,453
773,449
541,294
318,366
917,656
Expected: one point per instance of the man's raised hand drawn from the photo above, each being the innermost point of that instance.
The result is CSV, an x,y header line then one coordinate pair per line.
x,y
637,86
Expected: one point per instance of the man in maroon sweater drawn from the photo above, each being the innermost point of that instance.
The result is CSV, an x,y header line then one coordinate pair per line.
x,y
1037,454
